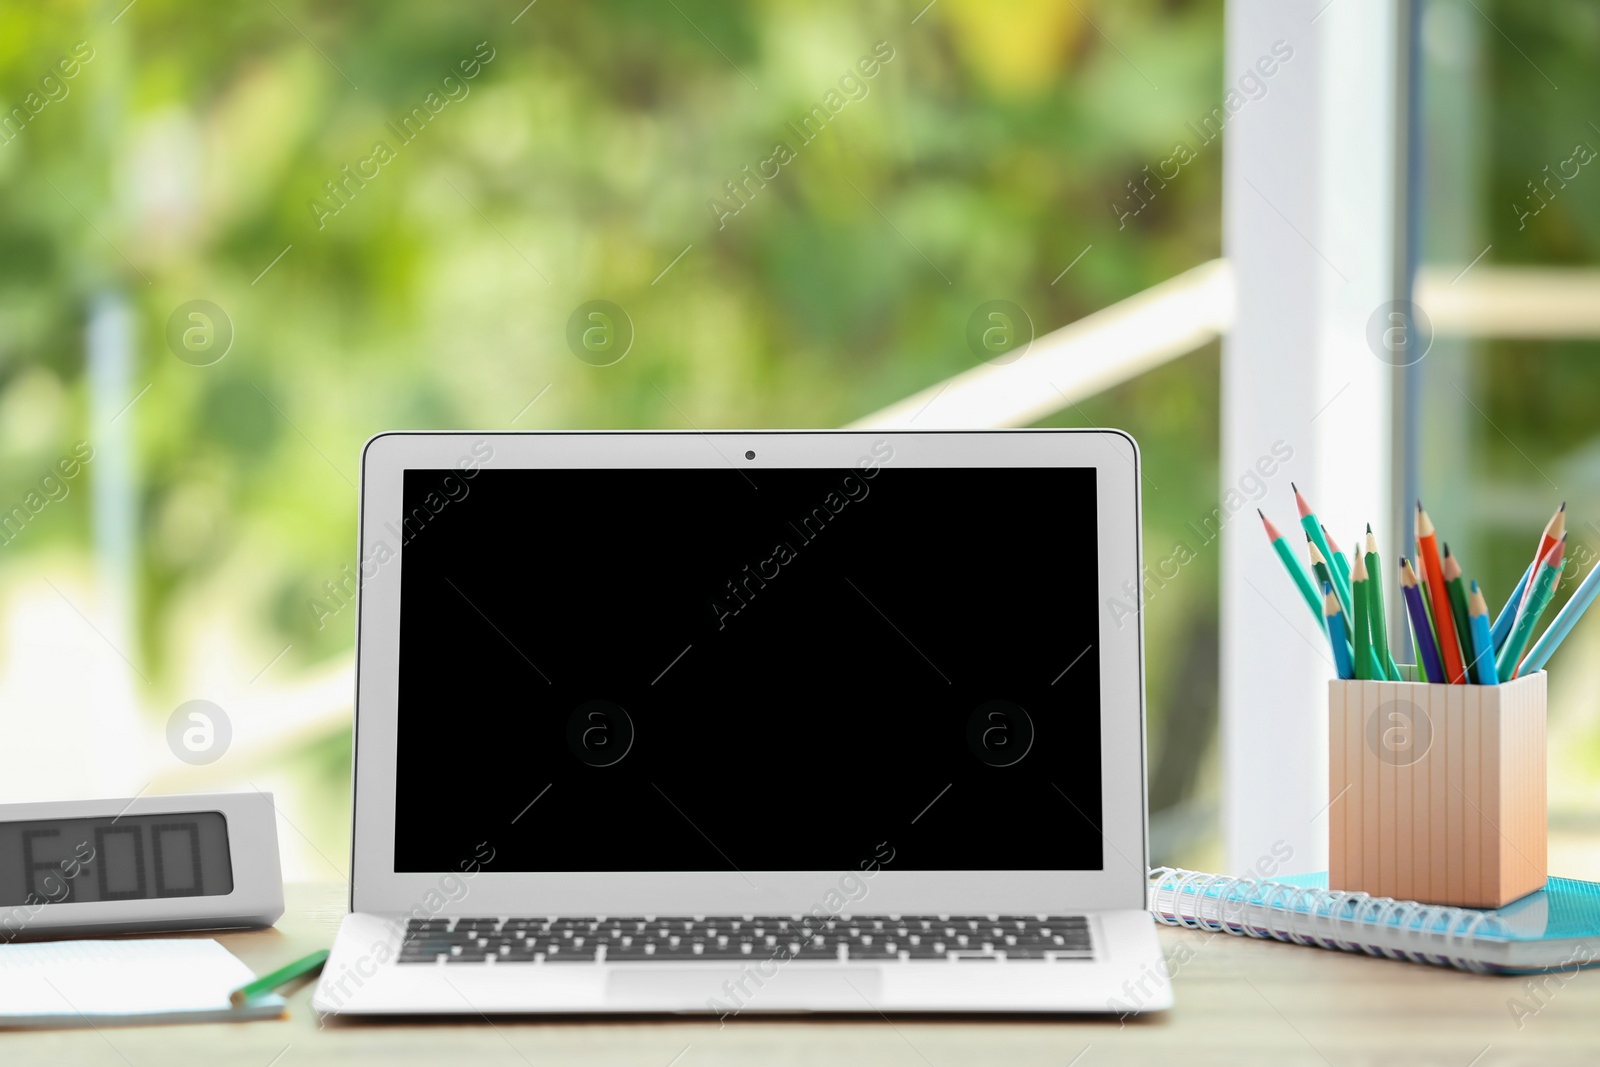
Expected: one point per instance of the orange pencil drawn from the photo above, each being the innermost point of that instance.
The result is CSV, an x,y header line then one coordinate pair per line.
x,y
1455,669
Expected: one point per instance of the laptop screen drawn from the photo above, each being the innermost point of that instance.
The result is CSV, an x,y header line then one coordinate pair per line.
x,y
749,669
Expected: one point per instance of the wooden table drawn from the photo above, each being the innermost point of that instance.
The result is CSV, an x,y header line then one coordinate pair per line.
x,y
1239,1001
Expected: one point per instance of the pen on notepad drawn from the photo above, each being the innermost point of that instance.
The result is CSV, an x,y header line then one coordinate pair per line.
x,y
282,976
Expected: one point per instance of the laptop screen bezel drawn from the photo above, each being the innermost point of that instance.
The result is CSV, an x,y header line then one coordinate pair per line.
x,y
479,889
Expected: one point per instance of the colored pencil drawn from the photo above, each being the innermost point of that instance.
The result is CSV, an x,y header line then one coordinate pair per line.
x,y
1379,624
1359,625
1482,665
1422,584
1427,651
1554,530
1570,613
1444,623
1302,580
1341,562
1342,566
1533,605
1319,567
1508,611
1313,529
1337,637
1456,593
1319,570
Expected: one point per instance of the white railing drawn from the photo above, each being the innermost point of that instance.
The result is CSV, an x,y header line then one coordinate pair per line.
x,y
1095,353
1087,357
1536,302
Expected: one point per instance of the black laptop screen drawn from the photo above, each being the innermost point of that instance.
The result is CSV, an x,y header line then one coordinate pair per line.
x,y
735,668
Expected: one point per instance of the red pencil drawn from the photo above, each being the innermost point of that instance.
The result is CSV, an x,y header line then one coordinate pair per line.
x,y
1455,669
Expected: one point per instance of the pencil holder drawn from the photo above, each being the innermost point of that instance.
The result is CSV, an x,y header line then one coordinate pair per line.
x,y
1437,792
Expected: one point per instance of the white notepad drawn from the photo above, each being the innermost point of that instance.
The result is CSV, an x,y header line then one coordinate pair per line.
x,y
117,983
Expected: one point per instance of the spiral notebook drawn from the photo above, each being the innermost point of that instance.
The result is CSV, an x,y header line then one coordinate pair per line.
x,y
1556,928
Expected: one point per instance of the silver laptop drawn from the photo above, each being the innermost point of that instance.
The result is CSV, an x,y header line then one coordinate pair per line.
x,y
748,722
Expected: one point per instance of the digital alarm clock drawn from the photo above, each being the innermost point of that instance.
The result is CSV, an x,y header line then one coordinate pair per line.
x,y
201,862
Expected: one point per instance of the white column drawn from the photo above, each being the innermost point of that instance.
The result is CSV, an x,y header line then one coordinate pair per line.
x,y
1308,207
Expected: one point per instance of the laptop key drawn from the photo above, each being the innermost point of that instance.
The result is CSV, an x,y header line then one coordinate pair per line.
x,y
730,952
865,938
518,955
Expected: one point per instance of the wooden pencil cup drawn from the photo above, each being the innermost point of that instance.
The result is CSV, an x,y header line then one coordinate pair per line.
x,y
1437,792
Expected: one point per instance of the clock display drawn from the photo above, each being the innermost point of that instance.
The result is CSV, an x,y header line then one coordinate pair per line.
x,y
128,857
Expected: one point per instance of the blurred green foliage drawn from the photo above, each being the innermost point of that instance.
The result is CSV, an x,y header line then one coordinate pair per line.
x,y
194,149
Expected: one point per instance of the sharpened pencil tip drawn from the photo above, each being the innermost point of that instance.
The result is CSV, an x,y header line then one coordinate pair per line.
x,y
1369,527
1273,533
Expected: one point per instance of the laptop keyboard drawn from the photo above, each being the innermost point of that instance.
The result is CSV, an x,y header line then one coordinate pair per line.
x,y
875,938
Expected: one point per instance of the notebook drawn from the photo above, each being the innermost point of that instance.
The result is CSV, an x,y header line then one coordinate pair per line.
x,y
121,983
1556,928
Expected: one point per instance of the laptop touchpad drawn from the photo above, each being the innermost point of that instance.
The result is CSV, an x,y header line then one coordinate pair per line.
x,y
724,989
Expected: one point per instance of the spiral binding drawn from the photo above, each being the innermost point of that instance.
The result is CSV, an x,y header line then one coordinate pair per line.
x,y
1328,918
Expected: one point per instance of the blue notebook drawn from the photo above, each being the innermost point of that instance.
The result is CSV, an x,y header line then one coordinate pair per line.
x,y
1556,928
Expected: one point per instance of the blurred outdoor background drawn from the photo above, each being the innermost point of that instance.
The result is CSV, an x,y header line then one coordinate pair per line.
x,y
230,154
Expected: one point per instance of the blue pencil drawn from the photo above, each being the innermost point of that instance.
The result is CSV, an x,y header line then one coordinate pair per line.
x,y
1338,635
1483,667
1579,602
1508,613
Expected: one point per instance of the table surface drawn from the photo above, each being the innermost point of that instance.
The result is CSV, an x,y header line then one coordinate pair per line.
x,y
1238,1001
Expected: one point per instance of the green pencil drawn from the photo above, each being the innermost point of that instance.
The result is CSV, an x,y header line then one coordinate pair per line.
x,y
282,976
1362,636
1457,589
1302,580
1341,562
1375,608
1313,529
1319,567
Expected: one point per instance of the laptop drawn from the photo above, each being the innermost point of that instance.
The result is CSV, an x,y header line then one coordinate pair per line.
x,y
736,723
